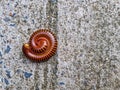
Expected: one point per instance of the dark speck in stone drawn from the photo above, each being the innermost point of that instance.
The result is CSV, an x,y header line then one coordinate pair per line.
x,y
0,54
4,66
6,19
62,83
2,79
26,17
18,70
1,36
1,62
24,21
62,73
28,29
27,75
25,6
7,50
16,4
33,21
8,74
6,81
85,82
13,15
12,24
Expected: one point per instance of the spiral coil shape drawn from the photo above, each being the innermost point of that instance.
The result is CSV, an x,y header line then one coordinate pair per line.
x,y
41,46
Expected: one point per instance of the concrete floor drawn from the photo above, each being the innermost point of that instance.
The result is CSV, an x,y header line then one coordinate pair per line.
x,y
88,54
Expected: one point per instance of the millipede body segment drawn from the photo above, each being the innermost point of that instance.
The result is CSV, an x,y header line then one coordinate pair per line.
x,y
41,46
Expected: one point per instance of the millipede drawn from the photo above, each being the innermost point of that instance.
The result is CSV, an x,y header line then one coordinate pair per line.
x,y
41,46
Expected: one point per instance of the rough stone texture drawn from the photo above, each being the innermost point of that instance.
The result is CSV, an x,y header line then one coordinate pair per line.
x,y
88,55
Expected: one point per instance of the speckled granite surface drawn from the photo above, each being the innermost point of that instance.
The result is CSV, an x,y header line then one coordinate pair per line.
x,y
88,55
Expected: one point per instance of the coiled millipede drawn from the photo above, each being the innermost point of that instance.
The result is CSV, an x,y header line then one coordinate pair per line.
x,y
41,46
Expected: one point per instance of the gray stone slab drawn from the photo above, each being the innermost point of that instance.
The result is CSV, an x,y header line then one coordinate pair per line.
x,y
89,48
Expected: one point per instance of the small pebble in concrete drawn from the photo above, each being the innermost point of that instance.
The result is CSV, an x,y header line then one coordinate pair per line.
x,y
6,19
27,75
12,14
33,21
6,81
12,24
8,74
0,54
1,36
1,62
62,83
7,50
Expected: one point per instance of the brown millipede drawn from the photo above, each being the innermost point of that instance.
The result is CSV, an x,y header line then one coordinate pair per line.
x,y
41,46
